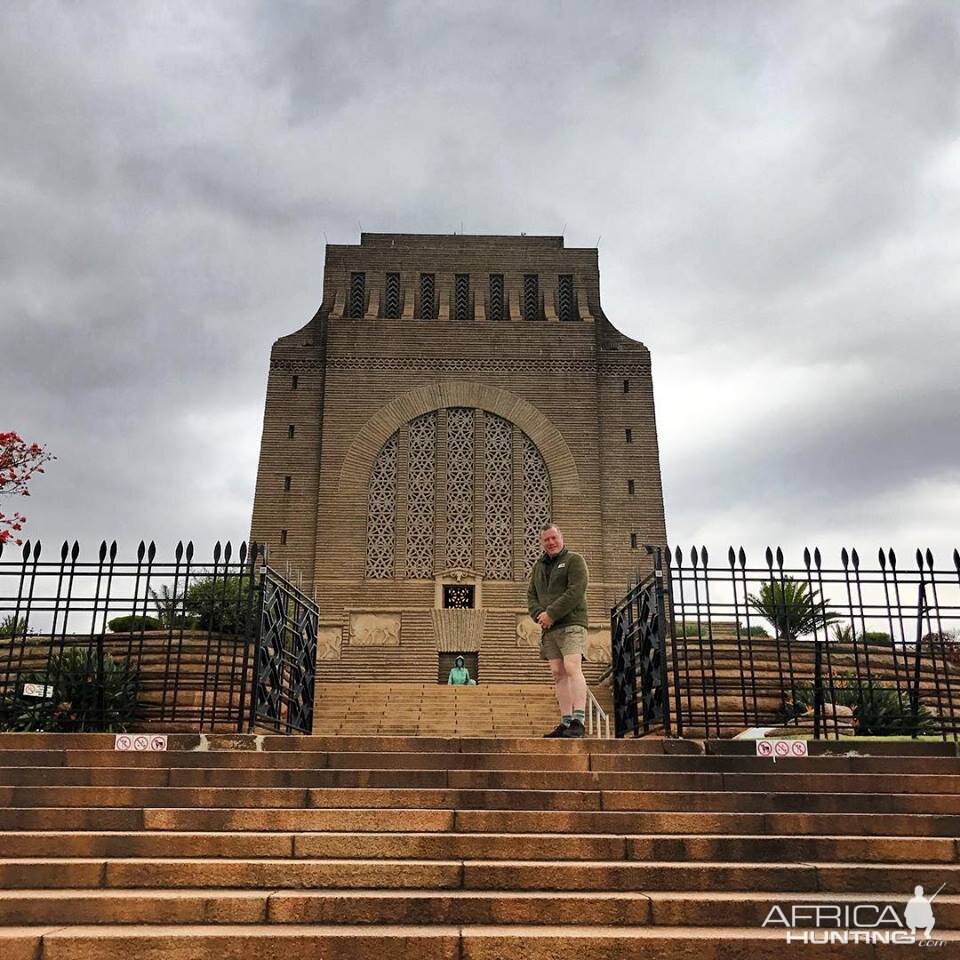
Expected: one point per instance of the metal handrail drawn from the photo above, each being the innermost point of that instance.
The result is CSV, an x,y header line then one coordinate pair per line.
x,y
602,721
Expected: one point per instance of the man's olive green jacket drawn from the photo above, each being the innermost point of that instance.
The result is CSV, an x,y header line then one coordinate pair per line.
x,y
559,586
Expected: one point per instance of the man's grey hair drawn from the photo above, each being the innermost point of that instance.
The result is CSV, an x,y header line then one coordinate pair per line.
x,y
551,526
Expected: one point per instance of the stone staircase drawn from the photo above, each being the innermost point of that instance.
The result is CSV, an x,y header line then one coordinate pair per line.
x,y
431,709
350,847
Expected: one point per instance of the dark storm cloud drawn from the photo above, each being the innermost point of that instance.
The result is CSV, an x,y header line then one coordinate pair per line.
x,y
775,184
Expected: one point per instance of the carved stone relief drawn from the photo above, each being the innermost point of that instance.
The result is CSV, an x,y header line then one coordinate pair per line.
x,y
528,631
375,629
328,642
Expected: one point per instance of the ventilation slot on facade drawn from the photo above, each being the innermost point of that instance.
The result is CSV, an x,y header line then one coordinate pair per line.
x,y
358,299
565,297
391,299
461,297
531,297
294,382
495,309
427,296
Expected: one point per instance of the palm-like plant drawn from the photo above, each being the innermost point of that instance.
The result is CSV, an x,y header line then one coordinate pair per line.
x,y
792,608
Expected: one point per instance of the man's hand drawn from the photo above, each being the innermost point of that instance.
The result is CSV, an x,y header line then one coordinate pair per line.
x,y
545,620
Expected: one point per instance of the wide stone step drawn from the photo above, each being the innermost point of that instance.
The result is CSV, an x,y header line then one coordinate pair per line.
x,y
286,787
237,798
441,942
593,875
225,906
488,846
378,820
844,759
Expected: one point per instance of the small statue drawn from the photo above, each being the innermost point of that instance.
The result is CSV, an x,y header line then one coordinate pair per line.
x,y
460,675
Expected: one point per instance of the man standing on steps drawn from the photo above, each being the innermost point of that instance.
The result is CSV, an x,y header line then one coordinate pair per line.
x,y
557,600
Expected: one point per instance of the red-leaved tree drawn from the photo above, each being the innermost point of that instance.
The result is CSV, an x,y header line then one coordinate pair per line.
x,y
19,463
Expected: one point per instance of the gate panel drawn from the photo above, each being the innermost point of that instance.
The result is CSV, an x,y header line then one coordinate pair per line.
x,y
286,656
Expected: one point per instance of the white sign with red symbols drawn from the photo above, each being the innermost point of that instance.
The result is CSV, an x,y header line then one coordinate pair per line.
x,y
781,749
140,742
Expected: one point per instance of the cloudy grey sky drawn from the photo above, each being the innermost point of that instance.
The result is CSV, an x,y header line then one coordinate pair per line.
x,y
775,185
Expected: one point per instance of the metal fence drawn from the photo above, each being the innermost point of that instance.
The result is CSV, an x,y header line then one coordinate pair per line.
x,y
709,649
190,643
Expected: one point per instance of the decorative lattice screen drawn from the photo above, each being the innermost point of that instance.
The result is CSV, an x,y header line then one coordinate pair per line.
x,y
420,484
460,466
421,490
498,498
461,297
536,501
382,513
565,297
495,307
391,297
358,295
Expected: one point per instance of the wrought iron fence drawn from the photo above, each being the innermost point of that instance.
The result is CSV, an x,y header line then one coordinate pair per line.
x,y
709,649
109,644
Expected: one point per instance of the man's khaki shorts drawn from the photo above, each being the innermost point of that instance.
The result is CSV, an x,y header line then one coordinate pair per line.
x,y
559,642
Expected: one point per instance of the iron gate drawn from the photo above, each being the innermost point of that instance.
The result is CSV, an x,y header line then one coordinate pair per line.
x,y
286,656
638,641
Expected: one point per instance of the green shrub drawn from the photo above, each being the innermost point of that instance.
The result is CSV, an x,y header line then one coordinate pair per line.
x,y
13,626
876,707
222,604
76,706
133,624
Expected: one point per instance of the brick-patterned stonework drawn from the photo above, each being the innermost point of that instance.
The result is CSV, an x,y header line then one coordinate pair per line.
x,y
352,380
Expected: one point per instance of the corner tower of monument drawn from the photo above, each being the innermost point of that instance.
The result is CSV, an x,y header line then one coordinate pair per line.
x,y
450,395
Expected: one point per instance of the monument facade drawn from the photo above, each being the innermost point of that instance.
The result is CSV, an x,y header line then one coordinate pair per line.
x,y
451,395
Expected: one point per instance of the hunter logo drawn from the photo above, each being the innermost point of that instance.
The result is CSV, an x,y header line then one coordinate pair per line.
x,y
821,923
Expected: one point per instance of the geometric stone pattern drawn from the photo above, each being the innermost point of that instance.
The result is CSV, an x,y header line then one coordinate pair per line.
x,y
421,484
498,498
382,513
460,453
536,501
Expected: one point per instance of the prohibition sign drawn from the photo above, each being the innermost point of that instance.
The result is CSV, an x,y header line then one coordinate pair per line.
x,y
764,748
